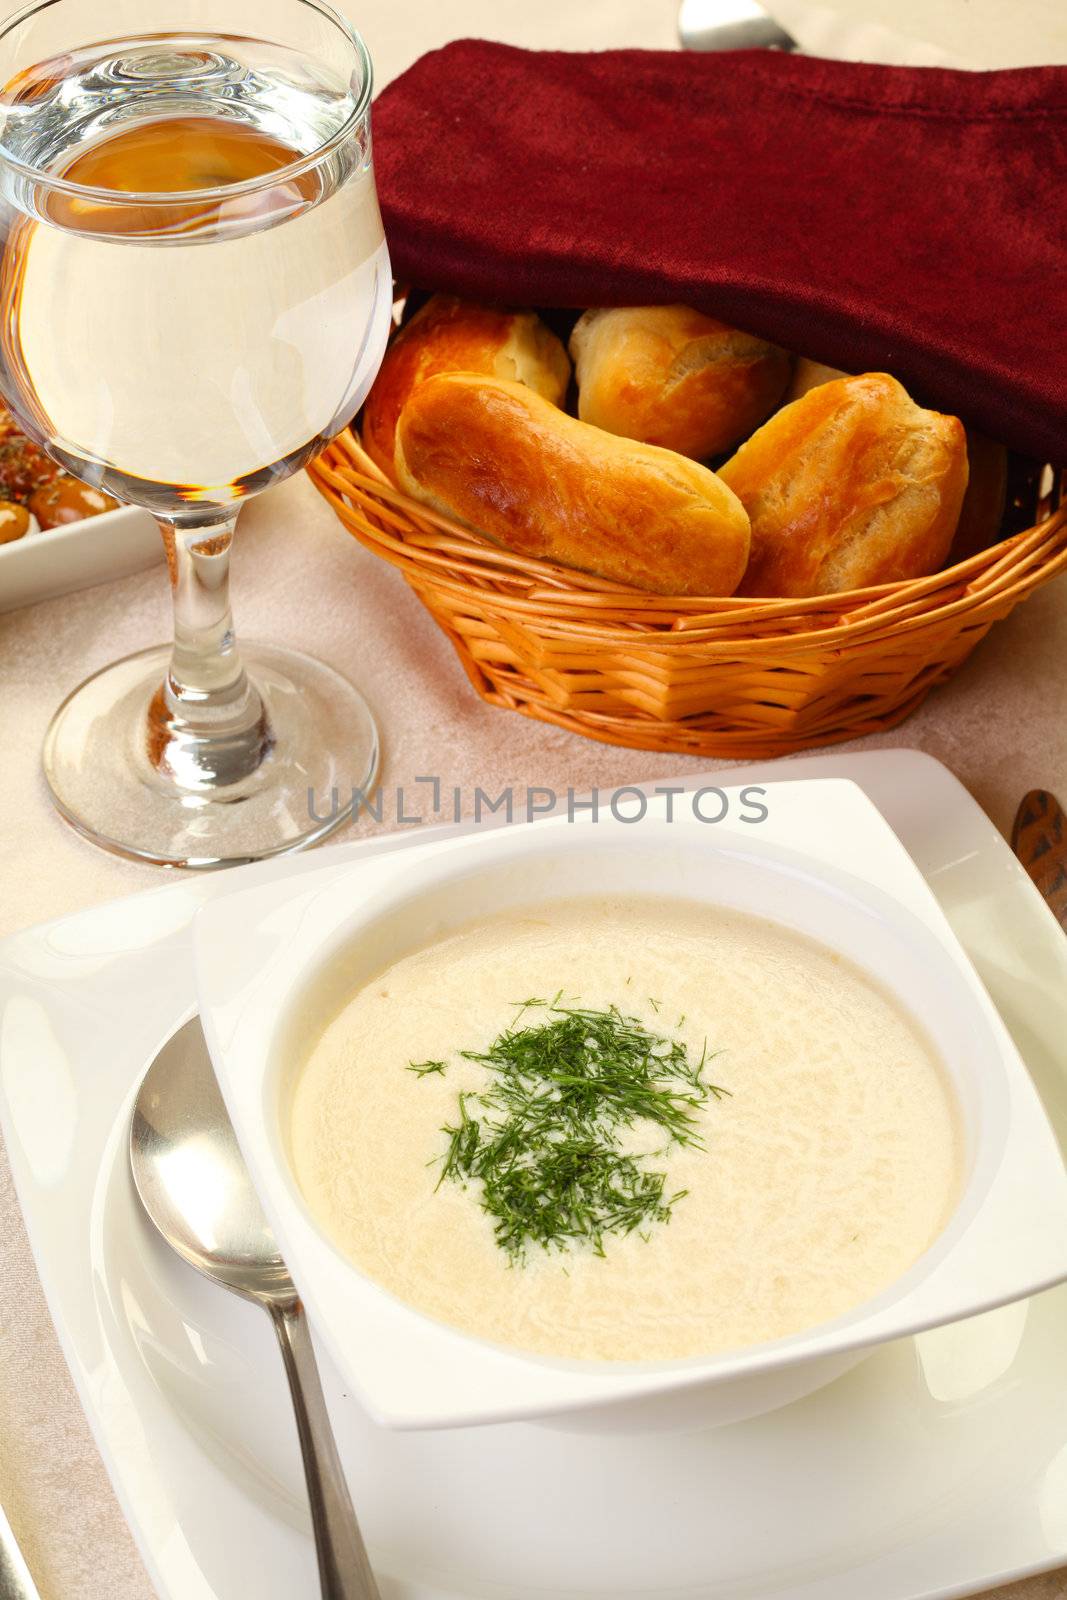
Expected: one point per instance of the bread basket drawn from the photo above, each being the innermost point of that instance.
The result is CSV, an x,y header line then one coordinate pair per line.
x,y
724,678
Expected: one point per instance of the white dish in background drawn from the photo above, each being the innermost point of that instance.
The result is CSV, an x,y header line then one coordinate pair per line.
x,y
77,556
277,961
935,1469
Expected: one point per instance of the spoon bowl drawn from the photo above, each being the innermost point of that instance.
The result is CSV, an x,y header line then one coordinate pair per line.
x,y
192,1179
730,25
194,1186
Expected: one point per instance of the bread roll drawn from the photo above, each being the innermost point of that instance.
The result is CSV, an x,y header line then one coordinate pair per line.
x,y
808,375
452,335
987,471
669,376
852,485
504,461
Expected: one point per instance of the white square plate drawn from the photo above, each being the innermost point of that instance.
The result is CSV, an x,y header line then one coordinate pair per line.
x,y
77,556
935,1469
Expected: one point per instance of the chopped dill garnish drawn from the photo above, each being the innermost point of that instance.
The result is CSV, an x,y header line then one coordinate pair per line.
x,y
544,1139
423,1069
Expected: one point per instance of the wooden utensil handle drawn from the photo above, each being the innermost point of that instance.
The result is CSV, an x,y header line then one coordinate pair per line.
x,y
1039,839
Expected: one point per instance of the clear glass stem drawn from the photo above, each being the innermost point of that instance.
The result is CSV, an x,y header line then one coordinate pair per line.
x,y
207,728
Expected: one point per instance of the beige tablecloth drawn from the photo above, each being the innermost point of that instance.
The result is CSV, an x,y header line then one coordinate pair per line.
x,y
301,581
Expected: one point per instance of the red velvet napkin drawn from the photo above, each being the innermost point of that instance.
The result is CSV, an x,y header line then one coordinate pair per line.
x,y
893,218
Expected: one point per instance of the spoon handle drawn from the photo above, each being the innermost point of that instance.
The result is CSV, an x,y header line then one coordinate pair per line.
x,y
344,1570
15,1580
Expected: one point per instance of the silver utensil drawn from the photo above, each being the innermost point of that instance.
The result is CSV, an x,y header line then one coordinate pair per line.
x,y
195,1187
730,25
1039,839
15,1580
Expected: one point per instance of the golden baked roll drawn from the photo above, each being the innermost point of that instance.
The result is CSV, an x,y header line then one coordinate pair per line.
x,y
852,485
498,457
984,503
808,375
452,335
669,376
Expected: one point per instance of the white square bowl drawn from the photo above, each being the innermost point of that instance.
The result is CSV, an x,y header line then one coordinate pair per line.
x,y
275,963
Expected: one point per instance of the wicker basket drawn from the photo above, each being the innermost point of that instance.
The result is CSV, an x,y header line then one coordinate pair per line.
x,y
726,678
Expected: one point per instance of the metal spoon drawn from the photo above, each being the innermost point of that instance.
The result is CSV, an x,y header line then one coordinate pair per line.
x,y
195,1187
15,1580
730,25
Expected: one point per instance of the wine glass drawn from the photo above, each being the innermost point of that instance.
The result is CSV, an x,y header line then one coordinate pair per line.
x,y
195,296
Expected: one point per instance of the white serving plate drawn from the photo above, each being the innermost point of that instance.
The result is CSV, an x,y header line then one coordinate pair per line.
x,y
935,1469
272,955
77,556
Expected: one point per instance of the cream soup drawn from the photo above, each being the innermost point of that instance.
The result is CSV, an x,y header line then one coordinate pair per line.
x,y
823,1163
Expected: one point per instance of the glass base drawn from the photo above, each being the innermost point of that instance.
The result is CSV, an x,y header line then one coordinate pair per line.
x,y
322,753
